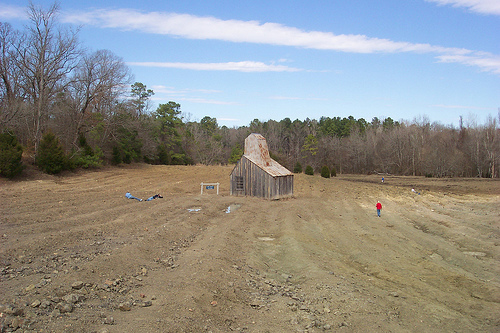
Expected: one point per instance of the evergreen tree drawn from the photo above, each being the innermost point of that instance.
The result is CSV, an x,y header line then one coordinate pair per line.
x,y
11,153
51,158
297,168
236,154
325,172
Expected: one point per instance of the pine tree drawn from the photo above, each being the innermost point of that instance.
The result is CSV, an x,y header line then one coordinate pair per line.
x,y
11,153
51,158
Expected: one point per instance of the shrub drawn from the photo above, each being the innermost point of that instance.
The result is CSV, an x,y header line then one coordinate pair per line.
x,y
325,172
309,170
117,156
87,157
93,160
333,172
11,153
297,168
50,156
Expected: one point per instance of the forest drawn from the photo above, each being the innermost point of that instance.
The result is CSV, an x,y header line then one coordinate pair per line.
x,y
65,107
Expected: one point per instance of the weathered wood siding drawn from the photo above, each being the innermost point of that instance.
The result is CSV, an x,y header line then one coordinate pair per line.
x,y
258,183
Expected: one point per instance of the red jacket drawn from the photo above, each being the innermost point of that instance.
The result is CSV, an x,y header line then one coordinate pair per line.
x,y
379,205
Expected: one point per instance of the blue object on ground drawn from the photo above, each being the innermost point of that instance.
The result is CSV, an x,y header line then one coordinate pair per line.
x,y
130,196
154,197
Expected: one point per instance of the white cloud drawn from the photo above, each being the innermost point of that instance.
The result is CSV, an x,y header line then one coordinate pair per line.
x,y
12,12
491,7
242,66
190,95
485,61
206,101
197,27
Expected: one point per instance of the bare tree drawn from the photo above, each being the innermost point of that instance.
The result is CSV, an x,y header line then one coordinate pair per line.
x,y
100,78
491,144
10,85
45,55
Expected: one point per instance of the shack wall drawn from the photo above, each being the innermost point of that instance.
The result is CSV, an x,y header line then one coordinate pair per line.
x,y
254,181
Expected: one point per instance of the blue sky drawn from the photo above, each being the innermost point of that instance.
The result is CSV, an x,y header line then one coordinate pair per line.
x,y
271,59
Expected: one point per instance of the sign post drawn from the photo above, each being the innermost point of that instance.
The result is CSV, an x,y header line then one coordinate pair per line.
x,y
209,186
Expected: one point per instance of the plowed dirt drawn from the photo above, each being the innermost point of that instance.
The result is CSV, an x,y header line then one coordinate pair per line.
x,y
77,256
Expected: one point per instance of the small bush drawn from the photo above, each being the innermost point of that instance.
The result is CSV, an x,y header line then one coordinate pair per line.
x,y
50,157
11,153
325,172
117,156
87,157
93,160
309,170
297,168
333,172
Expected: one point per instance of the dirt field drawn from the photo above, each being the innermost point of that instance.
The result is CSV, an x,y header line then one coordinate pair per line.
x,y
77,256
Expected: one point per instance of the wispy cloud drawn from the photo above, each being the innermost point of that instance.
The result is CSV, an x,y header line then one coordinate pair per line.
x,y
491,7
211,28
486,62
242,66
206,101
188,95
12,12
196,27
171,90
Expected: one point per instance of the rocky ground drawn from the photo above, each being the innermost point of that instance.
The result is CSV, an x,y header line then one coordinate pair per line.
x,y
77,256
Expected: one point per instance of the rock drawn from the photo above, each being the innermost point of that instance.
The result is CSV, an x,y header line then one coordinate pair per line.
x,y
17,323
55,313
45,304
11,310
144,271
109,321
125,306
30,288
145,304
35,304
65,307
72,298
77,285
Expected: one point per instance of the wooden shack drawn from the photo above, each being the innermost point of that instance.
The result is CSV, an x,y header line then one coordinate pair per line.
x,y
257,174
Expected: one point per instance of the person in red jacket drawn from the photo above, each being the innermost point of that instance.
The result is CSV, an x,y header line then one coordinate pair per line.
x,y
379,208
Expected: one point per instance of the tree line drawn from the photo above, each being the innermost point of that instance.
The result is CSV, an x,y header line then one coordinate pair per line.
x,y
58,99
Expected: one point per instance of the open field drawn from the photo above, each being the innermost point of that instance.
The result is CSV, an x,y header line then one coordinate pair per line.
x,y
77,256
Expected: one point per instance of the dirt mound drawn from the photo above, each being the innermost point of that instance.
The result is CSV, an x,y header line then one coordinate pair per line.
x,y
77,256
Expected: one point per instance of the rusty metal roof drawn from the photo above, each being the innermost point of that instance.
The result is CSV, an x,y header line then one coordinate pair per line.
x,y
273,168
256,151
